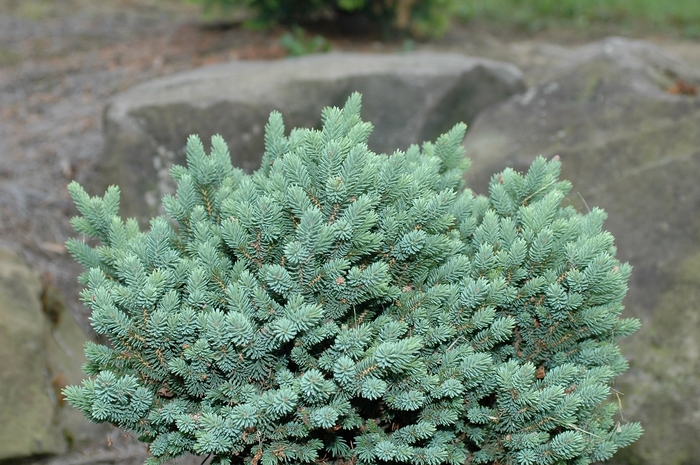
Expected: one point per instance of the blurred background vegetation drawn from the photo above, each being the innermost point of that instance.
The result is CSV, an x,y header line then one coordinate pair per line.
x,y
681,17
401,19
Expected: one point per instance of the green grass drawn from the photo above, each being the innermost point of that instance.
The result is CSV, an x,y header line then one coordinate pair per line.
x,y
682,16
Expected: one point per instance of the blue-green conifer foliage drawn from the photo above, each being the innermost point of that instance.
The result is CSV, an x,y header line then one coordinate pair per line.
x,y
341,306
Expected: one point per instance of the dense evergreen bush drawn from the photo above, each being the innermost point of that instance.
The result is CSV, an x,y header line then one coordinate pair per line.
x,y
339,306
422,18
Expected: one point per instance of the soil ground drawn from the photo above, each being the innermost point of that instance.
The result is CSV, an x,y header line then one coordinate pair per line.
x,y
62,60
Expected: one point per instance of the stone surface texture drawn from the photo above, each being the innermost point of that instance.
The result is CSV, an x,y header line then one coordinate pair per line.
x,y
37,359
633,148
409,98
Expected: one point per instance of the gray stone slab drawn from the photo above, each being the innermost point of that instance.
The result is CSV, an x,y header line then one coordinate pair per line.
x,y
409,98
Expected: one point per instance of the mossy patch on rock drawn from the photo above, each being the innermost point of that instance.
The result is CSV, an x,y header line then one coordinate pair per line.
x,y
26,410
665,374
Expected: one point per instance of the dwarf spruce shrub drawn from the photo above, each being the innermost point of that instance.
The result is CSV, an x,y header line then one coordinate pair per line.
x,y
343,307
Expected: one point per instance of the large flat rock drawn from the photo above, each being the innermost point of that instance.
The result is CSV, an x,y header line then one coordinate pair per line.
x,y
409,98
633,148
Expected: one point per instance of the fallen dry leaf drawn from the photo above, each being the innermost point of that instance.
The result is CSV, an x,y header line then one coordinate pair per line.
x,y
680,87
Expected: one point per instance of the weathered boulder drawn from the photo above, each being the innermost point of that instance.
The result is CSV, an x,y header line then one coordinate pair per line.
x,y
38,356
630,142
26,407
409,98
